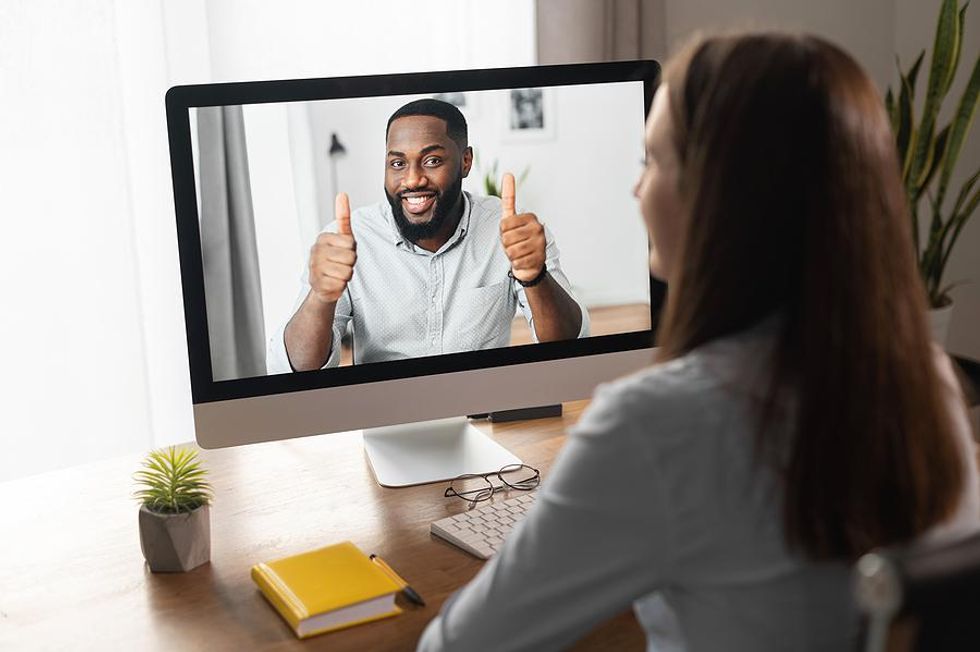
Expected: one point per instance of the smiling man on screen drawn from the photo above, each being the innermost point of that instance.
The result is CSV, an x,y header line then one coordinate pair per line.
x,y
434,269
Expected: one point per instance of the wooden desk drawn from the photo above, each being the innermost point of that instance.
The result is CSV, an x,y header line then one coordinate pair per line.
x,y
72,576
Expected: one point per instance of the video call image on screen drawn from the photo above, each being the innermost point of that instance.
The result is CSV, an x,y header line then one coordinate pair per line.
x,y
434,242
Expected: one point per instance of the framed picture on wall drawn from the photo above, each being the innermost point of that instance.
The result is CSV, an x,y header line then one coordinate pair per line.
x,y
456,98
468,103
529,115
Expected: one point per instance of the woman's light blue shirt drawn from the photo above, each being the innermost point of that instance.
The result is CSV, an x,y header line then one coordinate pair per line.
x,y
656,501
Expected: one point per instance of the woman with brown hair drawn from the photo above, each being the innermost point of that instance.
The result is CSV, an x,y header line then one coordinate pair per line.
x,y
797,415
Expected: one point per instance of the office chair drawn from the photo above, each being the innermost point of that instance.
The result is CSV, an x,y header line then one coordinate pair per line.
x,y
921,597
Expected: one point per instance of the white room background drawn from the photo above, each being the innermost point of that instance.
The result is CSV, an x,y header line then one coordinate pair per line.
x,y
579,181
93,324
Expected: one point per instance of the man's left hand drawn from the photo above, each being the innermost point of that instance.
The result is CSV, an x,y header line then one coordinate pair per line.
x,y
521,235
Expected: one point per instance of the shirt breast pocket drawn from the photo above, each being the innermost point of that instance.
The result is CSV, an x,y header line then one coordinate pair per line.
x,y
482,317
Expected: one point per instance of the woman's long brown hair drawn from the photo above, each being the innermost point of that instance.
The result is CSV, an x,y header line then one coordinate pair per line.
x,y
795,206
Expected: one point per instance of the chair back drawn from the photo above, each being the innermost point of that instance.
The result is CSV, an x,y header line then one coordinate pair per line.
x,y
921,597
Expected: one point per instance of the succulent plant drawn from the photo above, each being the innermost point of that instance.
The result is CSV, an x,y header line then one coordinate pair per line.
x,y
172,481
491,180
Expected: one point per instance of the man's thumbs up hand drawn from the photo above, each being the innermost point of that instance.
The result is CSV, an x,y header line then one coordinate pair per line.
x,y
333,256
521,235
507,196
341,210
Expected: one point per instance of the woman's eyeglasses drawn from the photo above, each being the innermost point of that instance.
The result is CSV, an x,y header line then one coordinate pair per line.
x,y
475,488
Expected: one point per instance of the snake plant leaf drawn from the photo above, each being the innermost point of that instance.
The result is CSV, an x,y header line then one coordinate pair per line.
x,y
891,109
965,192
941,71
890,102
930,256
960,221
932,166
945,242
960,27
905,113
963,120
946,288
971,205
914,71
905,135
962,212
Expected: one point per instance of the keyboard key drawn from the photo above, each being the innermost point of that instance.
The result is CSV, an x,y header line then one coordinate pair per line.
x,y
482,531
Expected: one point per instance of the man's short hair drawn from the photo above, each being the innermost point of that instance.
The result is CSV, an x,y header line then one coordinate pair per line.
x,y
453,117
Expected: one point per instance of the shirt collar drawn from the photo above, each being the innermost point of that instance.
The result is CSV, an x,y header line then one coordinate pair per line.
x,y
464,224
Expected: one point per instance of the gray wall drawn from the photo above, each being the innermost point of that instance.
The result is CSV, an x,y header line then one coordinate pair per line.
x,y
914,22
873,30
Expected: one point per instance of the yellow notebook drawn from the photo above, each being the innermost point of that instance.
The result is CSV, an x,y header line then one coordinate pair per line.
x,y
327,589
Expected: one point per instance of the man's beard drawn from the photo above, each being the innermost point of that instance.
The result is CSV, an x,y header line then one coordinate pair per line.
x,y
444,203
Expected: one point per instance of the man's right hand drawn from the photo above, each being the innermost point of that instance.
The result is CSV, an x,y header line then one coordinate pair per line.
x,y
333,256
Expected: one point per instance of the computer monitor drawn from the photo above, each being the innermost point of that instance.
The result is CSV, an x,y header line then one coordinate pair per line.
x,y
433,323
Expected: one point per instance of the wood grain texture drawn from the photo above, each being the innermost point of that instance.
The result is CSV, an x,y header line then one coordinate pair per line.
x,y
72,575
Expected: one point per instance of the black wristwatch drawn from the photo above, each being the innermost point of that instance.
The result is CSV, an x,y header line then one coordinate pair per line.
x,y
534,281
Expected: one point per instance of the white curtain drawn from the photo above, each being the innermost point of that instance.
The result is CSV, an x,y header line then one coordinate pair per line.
x,y
93,319
575,31
232,285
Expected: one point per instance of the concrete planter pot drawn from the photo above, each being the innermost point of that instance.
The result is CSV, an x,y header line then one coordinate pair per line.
x,y
174,543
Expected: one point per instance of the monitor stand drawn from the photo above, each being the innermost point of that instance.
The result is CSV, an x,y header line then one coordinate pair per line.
x,y
432,451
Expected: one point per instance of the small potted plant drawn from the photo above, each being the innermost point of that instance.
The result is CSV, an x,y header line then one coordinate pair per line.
x,y
491,183
175,515
928,153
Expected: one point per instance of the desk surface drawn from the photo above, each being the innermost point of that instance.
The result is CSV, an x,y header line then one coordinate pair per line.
x,y
72,575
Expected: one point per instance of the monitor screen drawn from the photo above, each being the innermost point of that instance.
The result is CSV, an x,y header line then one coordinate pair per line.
x,y
429,270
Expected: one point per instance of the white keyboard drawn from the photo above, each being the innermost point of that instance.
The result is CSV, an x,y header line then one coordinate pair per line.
x,y
482,530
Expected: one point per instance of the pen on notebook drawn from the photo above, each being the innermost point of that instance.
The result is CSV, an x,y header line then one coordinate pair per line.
x,y
409,592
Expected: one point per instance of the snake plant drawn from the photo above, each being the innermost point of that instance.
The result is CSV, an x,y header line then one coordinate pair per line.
x,y
928,153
